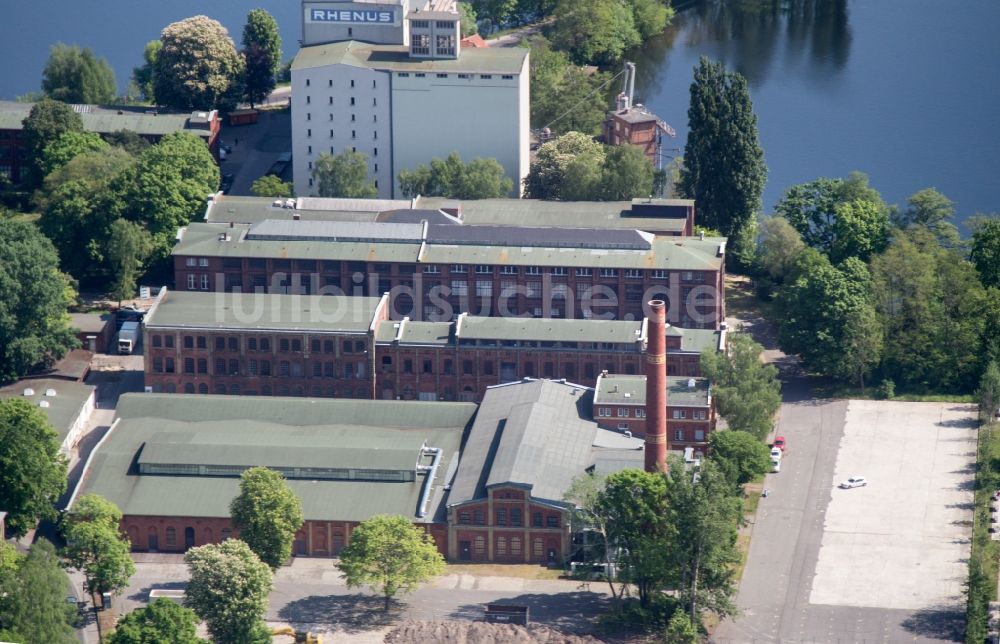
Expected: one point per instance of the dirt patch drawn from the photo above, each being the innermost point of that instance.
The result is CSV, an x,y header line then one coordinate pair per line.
x,y
521,571
480,633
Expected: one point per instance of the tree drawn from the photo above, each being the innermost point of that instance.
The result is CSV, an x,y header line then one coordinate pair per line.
x,y
747,392
34,326
33,606
72,75
129,246
829,318
128,141
724,169
498,12
780,246
197,67
839,217
988,393
467,19
46,122
272,186
228,589
268,514
585,492
557,84
705,514
593,32
67,147
985,252
391,555
477,179
96,546
740,456
162,622
680,630
626,174
344,175
932,210
651,17
261,53
143,76
633,506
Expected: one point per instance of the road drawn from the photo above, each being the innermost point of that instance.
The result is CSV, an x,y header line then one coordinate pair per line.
x,y
310,594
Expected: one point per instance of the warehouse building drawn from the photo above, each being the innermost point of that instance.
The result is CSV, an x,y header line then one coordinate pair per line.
x,y
67,405
172,465
392,81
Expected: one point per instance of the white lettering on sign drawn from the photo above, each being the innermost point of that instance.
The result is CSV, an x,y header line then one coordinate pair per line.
x,y
353,16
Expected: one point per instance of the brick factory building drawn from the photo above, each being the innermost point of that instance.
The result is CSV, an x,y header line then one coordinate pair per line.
x,y
321,346
151,125
434,271
172,465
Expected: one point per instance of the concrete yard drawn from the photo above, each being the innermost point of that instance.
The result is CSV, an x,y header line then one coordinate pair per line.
x,y
902,541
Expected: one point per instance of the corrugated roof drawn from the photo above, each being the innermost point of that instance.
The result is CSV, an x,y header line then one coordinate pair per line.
x,y
568,238
696,340
107,120
89,322
63,408
334,231
255,422
549,329
319,313
614,389
498,60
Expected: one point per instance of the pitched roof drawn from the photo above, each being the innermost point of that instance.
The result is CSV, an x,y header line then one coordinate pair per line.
x,y
62,408
106,120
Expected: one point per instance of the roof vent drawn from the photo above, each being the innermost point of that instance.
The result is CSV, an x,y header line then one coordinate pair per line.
x,y
296,216
628,395
289,203
29,391
691,383
44,404
615,390
277,203
628,434
50,392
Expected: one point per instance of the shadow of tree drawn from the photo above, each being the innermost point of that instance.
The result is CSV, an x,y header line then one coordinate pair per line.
x,y
570,612
938,623
348,613
959,423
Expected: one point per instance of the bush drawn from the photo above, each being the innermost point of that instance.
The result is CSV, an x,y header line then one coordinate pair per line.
x,y
887,390
629,617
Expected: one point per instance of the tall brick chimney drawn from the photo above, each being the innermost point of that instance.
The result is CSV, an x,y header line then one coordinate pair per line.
x,y
656,388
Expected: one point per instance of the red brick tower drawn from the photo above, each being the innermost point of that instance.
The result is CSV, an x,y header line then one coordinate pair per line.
x,y
656,388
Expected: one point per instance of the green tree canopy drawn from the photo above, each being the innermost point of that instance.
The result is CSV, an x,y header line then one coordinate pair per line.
x,y
985,252
633,505
272,186
391,555
143,75
261,53
651,17
344,175
932,210
197,67
74,75
593,32
68,146
839,217
228,589
988,392
740,456
268,514
557,84
46,122
586,493
477,179
626,174
34,295
747,392
129,246
724,169
127,140
33,607
467,18
574,167
96,546
780,246
162,622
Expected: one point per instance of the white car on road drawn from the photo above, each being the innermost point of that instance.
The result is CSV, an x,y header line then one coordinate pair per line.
x,y
854,481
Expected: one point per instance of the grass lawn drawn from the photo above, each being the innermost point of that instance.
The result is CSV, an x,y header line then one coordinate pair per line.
x,y
525,571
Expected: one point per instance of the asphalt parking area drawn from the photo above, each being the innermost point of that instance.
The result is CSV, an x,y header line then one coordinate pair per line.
x,y
902,541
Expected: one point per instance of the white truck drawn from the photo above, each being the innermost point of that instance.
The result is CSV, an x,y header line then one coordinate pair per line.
x,y
128,337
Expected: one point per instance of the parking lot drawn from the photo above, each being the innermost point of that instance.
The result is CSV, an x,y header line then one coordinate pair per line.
x,y
902,541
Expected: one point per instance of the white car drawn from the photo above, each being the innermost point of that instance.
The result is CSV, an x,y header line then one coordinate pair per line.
x,y
854,481
775,452
775,464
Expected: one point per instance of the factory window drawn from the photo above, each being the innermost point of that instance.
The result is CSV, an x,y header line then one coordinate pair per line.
x,y
252,368
156,340
354,134
296,345
375,134
659,274
459,287
203,388
533,270
680,413
442,75
310,183
171,536
352,100
374,102
465,75
428,366
508,270
353,118
310,165
640,412
609,272
158,364
202,365
265,344
309,132
317,369
699,434
501,546
403,74
507,77
310,148
633,273
501,516
479,545
515,546
679,435
330,102
604,412
536,519
552,521
168,365
420,75
204,282
515,517
283,344
420,24
407,365
265,367
375,152
432,268
308,100
467,367
484,288
191,261
445,24
537,548
191,282
307,82
449,367
486,76
559,270
329,83
315,346
445,45
623,412
352,83
464,518
488,368
376,167
168,341
188,342
309,116
459,268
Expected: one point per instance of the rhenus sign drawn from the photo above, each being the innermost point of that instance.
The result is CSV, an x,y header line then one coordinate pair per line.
x,y
352,16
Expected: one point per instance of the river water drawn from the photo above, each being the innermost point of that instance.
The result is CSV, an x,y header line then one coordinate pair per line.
x,y
905,90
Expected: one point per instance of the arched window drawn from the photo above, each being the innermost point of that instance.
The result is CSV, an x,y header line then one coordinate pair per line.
x,y
479,545
227,534
515,545
220,389
203,388
501,545
171,536
189,387
537,548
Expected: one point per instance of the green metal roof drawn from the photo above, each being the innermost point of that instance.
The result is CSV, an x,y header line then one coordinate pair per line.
x,y
63,408
548,329
621,389
106,120
368,430
263,311
696,340
396,58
